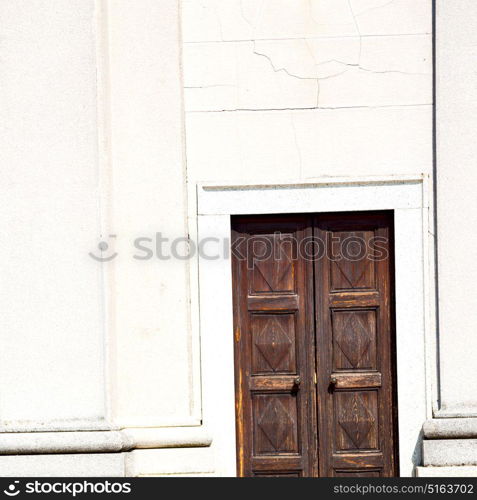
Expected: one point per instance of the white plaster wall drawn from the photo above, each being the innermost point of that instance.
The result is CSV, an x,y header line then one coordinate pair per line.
x,y
289,91
154,368
300,89
456,102
92,146
51,355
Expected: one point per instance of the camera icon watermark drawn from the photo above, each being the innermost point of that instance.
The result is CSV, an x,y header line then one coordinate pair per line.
x,y
252,249
12,489
105,254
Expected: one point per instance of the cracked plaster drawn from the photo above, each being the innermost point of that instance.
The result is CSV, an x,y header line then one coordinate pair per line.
x,y
337,87
294,71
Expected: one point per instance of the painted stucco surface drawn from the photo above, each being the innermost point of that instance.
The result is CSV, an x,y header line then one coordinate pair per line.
x,y
456,204
51,366
299,89
115,110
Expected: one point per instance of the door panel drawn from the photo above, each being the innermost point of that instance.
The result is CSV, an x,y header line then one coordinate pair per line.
x,y
313,345
354,345
274,335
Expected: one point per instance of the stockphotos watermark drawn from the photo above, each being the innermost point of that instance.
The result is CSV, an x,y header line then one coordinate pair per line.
x,y
255,248
72,488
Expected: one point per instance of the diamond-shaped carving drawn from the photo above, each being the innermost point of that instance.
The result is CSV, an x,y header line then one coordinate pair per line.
x,y
353,339
356,420
273,343
352,265
276,423
273,272
353,272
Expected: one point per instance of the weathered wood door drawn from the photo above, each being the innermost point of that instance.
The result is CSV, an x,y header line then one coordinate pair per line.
x,y
273,289
354,346
314,345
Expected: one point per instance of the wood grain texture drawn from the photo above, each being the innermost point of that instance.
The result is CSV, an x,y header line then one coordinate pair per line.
x,y
314,347
274,356
354,335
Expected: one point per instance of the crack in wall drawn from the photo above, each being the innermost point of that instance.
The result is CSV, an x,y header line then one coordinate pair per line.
x,y
287,72
295,138
370,9
276,68
209,86
242,13
301,37
347,65
312,108
219,21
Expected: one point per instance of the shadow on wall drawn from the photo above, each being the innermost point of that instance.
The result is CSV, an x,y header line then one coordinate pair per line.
x,y
417,453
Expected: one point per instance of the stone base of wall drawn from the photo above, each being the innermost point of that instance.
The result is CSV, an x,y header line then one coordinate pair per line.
x,y
461,471
153,462
449,448
68,465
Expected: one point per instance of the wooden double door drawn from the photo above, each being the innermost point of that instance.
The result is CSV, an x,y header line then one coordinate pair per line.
x,y
314,348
